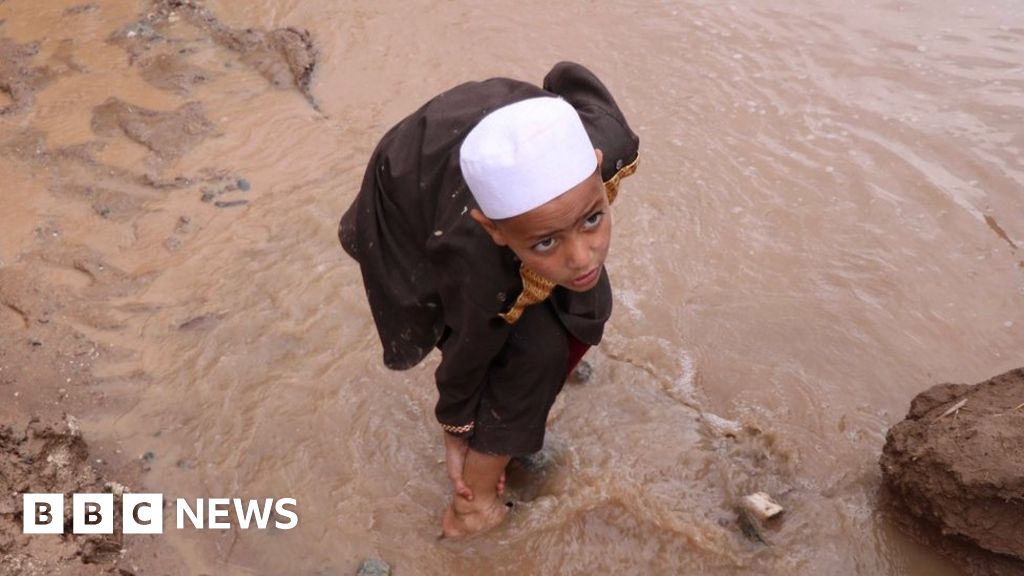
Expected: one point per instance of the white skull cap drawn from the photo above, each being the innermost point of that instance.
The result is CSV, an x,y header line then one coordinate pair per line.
x,y
524,155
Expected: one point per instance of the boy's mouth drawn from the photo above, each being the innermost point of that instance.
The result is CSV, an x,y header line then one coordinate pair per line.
x,y
585,279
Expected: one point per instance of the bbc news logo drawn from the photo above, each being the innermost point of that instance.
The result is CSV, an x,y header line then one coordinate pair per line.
x,y
144,513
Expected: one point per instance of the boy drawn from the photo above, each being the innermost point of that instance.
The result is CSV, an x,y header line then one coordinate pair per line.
x,y
481,228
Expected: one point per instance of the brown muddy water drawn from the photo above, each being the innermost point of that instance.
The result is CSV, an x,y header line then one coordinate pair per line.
x,y
828,219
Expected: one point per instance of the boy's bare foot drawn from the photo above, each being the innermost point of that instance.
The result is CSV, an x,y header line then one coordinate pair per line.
x,y
465,518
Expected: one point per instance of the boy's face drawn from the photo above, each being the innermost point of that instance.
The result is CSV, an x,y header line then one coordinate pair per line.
x,y
565,240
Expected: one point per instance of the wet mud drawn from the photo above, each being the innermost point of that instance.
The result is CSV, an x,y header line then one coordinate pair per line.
x,y
20,79
167,134
956,462
56,285
48,299
46,371
172,72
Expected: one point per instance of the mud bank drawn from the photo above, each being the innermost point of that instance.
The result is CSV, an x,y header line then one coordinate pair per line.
x,y
286,57
956,463
50,458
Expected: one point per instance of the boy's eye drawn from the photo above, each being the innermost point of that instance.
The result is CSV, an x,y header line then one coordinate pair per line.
x,y
544,245
593,220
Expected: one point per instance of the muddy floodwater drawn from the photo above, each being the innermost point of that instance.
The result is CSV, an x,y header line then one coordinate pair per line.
x,y
828,219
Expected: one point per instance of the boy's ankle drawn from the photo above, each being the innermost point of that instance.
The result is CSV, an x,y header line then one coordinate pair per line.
x,y
463,507
464,518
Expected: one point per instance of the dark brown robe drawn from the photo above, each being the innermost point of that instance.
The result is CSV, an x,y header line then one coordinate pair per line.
x,y
434,278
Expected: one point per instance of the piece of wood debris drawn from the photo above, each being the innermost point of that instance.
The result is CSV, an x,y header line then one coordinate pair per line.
x,y
760,506
1011,410
954,408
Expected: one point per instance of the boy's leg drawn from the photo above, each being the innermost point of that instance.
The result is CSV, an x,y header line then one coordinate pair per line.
x,y
521,387
482,473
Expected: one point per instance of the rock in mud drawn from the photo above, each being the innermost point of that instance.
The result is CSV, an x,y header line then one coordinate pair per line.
x,y
374,567
957,461
136,38
582,373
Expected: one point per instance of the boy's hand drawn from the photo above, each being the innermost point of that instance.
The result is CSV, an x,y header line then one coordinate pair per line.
x,y
455,449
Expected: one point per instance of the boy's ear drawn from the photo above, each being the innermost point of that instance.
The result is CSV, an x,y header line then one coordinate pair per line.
x,y
489,226
600,158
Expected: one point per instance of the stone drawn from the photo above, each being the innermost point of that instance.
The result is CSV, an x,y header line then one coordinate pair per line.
x,y
583,372
374,567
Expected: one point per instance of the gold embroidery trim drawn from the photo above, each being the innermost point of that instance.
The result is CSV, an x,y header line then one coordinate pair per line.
x,y
458,429
536,288
611,187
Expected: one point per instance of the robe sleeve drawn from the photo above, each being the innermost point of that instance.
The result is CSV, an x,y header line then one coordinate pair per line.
x,y
472,340
473,282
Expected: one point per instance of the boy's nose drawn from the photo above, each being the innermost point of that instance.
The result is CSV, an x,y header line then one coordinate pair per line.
x,y
577,255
